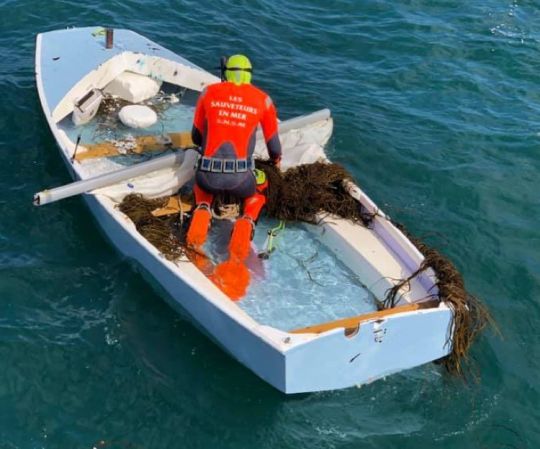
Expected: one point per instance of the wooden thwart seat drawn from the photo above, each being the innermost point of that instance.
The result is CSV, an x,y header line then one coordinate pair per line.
x,y
351,324
140,144
175,205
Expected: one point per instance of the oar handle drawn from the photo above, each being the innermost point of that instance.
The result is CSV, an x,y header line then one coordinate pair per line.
x,y
86,185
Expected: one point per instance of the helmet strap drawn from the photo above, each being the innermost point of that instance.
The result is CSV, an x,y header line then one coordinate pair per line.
x,y
222,67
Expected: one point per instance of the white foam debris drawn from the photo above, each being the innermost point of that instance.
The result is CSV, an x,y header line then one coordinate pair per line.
x,y
133,87
137,116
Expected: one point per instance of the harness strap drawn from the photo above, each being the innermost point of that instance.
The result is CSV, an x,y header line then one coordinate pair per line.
x,y
217,165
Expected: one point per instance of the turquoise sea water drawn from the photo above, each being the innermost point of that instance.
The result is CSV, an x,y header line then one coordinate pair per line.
x,y
301,284
436,105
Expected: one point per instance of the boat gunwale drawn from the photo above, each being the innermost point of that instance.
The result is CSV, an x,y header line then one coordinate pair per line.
x,y
351,324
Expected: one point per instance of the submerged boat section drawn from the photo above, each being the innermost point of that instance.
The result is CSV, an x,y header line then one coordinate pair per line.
x,y
299,330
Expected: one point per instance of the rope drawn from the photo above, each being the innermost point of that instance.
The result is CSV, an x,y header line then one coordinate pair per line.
x,y
269,242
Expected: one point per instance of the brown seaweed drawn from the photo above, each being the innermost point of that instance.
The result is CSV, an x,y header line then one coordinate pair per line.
x,y
302,193
470,315
159,231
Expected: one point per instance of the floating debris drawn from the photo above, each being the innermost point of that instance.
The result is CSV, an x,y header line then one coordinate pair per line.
x,y
470,315
110,128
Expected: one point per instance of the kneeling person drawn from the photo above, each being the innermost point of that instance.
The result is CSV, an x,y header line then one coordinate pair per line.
x,y
225,124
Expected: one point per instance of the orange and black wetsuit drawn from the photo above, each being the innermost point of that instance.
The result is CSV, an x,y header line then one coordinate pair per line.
x,y
225,126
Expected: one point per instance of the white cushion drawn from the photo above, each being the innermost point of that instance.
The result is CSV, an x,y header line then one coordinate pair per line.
x,y
133,87
136,116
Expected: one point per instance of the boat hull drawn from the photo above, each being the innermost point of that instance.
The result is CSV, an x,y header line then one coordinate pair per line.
x,y
292,363
247,347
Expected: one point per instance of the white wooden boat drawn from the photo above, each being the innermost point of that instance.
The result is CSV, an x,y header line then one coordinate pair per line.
x,y
71,64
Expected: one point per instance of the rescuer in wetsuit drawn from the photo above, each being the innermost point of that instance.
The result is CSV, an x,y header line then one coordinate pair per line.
x,y
225,126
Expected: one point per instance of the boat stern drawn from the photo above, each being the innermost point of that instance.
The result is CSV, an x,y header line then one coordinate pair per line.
x,y
341,358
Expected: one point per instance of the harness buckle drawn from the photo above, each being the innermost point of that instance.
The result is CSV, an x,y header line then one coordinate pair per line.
x,y
229,166
206,164
241,165
217,165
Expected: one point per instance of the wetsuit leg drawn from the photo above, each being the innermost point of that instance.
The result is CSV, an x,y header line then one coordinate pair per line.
x,y
253,206
202,196
244,227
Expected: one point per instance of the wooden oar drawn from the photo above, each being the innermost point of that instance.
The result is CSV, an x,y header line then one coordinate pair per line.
x,y
140,144
351,324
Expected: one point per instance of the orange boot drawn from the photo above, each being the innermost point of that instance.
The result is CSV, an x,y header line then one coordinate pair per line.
x,y
232,276
242,234
198,228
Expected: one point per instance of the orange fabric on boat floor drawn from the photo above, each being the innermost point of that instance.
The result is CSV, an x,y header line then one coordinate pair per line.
x,y
232,277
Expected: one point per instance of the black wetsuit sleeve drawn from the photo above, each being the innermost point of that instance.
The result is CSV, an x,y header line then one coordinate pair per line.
x,y
274,147
199,121
270,130
196,136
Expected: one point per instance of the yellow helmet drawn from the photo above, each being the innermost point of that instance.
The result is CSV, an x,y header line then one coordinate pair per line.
x,y
238,70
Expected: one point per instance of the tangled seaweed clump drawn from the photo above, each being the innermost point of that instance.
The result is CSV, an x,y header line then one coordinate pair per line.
x,y
159,231
470,316
305,192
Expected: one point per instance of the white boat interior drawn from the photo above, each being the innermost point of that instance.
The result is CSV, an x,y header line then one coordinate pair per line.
x,y
175,107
